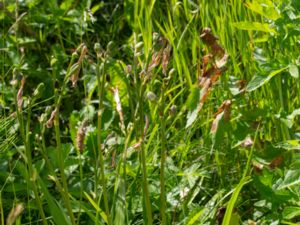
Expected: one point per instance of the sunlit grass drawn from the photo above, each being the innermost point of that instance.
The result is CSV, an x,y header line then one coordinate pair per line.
x,y
138,124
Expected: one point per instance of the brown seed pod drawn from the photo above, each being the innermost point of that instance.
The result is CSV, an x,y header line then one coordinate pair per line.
x,y
81,132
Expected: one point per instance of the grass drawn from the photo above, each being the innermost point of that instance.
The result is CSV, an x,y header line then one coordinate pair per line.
x,y
133,112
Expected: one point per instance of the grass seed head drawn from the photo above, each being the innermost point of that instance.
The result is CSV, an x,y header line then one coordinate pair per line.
x,y
14,214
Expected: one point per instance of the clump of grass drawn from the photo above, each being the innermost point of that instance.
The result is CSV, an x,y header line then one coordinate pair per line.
x,y
157,127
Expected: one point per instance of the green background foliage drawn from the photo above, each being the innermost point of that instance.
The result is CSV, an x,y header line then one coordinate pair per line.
x,y
104,119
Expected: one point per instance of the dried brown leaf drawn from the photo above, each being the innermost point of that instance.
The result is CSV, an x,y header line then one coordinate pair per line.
x,y
276,162
49,123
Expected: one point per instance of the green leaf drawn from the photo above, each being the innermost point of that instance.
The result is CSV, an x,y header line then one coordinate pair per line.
x,y
235,219
218,130
258,81
231,203
291,178
246,25
289,145
194,218
96,207
293,70
56,209
120,205
193,103
290,212
265,8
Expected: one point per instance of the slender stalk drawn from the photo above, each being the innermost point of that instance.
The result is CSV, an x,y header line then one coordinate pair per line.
x,y
140,124
25,133
61,162
143,161
99,140
81,186
49,164
162,158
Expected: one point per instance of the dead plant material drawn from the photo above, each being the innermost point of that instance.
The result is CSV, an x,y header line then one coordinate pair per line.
x,y
225,109
211,41
49,123
166,59
75,75
276,162
14,214
20,94
248,142
213,65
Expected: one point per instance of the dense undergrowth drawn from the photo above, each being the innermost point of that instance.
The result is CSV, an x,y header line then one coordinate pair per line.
x,y
150,112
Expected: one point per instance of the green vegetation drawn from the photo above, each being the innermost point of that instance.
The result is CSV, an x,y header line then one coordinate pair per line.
x,y
150,112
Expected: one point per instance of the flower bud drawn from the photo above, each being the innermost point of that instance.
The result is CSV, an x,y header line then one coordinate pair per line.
x,y
38,91
151,96
173,110
98,49
53,61
172,72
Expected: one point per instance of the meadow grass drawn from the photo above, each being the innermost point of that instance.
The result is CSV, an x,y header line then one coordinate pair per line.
x,y
149,112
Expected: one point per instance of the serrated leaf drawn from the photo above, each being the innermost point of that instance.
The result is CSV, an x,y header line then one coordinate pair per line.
x,y
293,70
258,81
246,25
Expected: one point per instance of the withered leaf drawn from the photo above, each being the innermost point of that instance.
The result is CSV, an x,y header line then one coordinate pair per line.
x,y
276,162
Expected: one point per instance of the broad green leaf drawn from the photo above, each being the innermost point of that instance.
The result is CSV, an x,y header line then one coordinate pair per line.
x,y
193,102
120,205
235,219
218,129
246,25
258,81
56,209
293,70
289,120
291,178
265,8
194,98
289,145
97,7
290,212
66,4
191,117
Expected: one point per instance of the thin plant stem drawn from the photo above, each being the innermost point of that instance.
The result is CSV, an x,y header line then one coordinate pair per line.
x,y
99,140
140,93
162,158
25,133
61,161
